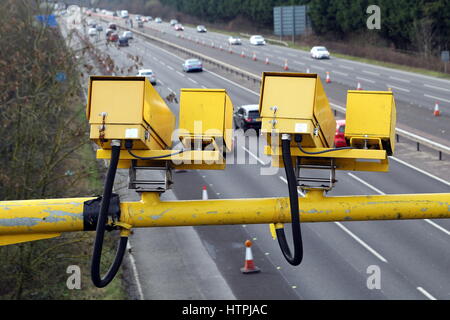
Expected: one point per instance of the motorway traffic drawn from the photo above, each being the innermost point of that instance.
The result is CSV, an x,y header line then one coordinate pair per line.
x,y
413,256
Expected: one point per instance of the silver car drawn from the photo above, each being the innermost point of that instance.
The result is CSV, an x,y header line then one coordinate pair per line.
x,y
148,73
234,40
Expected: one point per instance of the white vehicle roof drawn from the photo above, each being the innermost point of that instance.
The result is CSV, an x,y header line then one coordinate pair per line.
x,y
251,107
143,71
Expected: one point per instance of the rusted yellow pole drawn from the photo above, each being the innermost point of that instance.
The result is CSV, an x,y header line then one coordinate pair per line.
x,y
37,219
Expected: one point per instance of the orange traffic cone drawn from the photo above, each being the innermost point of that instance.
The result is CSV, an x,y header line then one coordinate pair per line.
x,y
254,56
328,80
285,65
249,266
267,61
358,87
204,193
436,110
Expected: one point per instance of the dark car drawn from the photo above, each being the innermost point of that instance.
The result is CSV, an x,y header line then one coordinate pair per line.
x,y
123,42
192,65
108,33
247,116
112,26
339,138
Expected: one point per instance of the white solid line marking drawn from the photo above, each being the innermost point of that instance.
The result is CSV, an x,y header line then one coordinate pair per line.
x,y
425,293
193,80
364,79
346,67
365,245
341,73
204,87
254,156
135,271
421,171
398,88
234,83
285,181
434,87
399,79
436,98
372,73
382,193
366,183
437,226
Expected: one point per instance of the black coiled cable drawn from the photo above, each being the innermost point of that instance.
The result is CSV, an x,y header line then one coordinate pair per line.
x,y
101,225
297,258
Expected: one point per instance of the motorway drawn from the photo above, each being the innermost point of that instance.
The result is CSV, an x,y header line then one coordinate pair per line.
x,y
413,256
415,94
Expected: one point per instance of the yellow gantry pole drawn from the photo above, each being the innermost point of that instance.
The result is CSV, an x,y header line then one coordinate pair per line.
x,y
37,219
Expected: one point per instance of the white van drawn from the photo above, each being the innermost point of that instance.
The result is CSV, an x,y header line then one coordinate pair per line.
x,y
124,14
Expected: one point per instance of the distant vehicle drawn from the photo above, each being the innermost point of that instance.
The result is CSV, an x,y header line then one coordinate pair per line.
x,y
124,14
112,26
192,65
137,18
99,28
123,41
247,116
127,34
113,37
148,73
178,27
234,40
92,32
257,40
158,20
201,28
339,138
140,24
173,22
149,18
320,53
108,33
